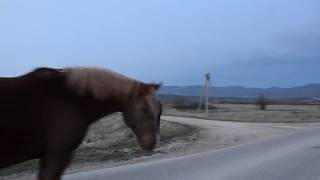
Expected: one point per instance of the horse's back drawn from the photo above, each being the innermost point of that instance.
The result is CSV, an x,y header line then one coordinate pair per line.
x,y
10,91
14,97
20,128
28,105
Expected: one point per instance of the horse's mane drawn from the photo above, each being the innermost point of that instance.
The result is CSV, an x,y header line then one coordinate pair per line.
x,y
101,83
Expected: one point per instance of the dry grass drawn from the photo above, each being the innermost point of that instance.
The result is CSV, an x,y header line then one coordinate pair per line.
x,y
250,113
108,143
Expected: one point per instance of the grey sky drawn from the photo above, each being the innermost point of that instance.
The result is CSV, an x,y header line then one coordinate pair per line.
x,y
249,42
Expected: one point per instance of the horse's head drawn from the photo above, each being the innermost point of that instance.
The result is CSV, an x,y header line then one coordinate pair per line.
x,y
142,115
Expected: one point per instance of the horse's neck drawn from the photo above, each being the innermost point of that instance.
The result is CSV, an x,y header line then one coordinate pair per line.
x,y
116,101
95,109
102,86
123,91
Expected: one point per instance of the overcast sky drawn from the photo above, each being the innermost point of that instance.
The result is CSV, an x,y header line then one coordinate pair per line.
x,y
256,43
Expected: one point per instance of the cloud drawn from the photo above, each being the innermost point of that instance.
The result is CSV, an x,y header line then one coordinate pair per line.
x,y
301,43
292,47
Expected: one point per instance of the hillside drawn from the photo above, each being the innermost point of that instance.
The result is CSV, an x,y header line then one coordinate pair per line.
x,y
307,91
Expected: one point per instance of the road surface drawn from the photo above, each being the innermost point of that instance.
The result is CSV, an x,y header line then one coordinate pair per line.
x,y
290,157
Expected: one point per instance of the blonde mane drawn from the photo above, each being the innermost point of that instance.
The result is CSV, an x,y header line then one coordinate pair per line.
x,y
101,83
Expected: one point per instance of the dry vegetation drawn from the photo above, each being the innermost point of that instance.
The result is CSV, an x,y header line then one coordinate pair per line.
x,y
250,113
110,143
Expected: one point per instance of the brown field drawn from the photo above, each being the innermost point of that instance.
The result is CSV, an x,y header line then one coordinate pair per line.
x,y
250,113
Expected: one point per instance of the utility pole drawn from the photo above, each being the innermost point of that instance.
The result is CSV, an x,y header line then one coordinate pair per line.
x,y
205,93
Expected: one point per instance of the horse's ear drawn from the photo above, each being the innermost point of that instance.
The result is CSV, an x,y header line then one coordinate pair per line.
x,y
156,86
145,89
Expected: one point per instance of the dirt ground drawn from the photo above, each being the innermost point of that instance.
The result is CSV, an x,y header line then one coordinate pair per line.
x,y
234,124
109,143
222,134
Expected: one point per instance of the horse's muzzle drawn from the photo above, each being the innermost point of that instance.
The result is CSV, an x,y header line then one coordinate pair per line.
x,y
148,142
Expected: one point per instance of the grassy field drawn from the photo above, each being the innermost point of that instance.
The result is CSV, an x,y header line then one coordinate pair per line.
x,y
108,142
250,113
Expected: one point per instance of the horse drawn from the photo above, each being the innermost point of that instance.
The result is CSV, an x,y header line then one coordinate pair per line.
x,y
45,114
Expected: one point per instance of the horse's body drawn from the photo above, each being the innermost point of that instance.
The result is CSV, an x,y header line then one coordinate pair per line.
x,y
45,114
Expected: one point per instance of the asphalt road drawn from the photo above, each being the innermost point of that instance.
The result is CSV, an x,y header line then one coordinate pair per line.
x,y
289,157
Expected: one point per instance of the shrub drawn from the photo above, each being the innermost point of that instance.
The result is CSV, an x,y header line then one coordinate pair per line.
x,y
261,102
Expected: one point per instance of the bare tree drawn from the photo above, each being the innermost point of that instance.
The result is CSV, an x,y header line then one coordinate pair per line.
x,y
261,102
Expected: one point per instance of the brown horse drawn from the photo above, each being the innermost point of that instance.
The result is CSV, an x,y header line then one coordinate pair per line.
x,y
46,113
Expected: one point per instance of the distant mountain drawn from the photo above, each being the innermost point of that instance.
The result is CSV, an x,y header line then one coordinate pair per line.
x,y
308,91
